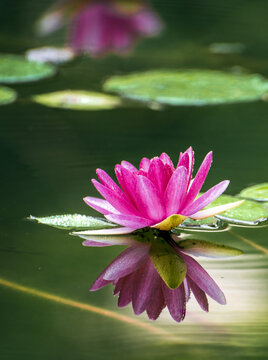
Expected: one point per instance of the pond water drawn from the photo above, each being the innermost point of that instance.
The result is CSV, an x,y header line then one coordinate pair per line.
x,y
48,157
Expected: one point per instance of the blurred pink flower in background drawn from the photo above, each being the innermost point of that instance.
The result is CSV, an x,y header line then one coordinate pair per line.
x,y
101,27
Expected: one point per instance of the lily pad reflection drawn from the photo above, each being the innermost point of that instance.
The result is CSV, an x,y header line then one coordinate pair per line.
x,y
189,87
78,100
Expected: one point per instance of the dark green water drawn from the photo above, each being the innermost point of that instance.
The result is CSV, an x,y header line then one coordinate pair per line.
x,y
48,157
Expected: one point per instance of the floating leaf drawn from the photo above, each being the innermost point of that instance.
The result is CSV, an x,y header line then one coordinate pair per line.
x,y
227,48
257,192
265,204
170,266
73,222
7,95
249,213
78,100
189,87
206,248
211,224
17,69
50,54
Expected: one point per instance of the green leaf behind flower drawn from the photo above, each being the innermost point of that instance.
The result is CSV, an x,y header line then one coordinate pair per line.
x,y
188,87
73,222
257,192
17,69
249,213
170,266
207,248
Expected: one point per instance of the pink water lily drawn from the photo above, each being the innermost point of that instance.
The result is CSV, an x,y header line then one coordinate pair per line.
x,y
102,27
156,270
98,27
157,194
138,277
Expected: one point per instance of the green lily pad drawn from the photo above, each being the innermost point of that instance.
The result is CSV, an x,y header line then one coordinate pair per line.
x,y
209,249
189,87
78,100
227,48
17,69
257,192
249,213
170,266
265,204
73,222
209,224
7,95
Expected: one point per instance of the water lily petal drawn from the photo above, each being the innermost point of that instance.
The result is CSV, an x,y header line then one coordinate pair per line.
x,y
176,191
144,164
157,175
108,240
199,275
100,282
107,181
117,200
203,214
206,198
102,206
95,243
146,281
113,231
118,285
176,301
187,289
199,179
184,161
126,291
166,160
157,302
149,201
199,294
129,221
187,160
126,262
127,165
128,183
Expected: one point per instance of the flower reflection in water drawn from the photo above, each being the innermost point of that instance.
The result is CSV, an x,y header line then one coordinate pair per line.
x,y
155,272
101,27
